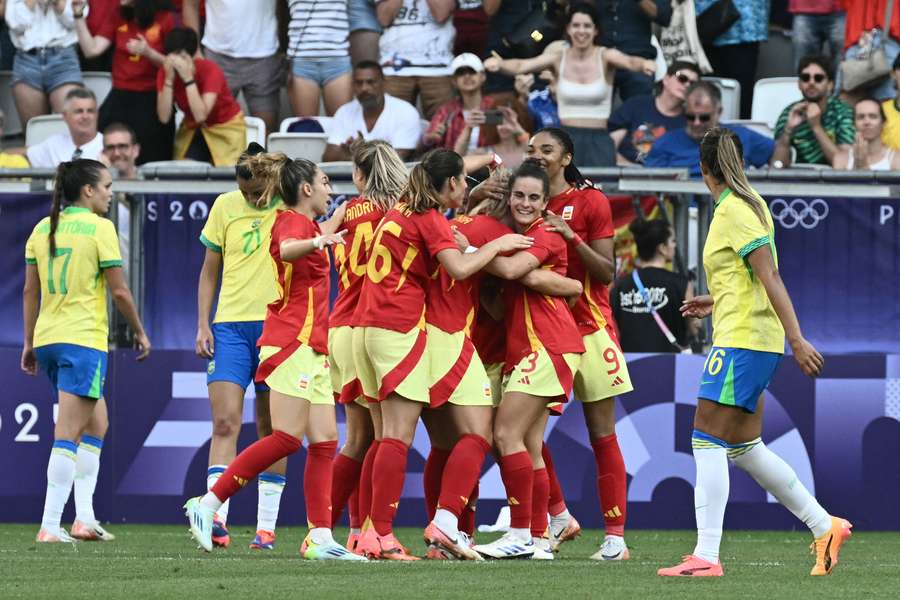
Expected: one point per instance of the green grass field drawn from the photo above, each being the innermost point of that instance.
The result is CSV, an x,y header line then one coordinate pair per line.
x,y
161,562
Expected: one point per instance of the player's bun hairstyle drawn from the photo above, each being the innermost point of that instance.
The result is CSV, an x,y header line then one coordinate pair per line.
x,y
242,168
386,175
283,176
70,178
531,168
571,172
649,234
427,179
722,156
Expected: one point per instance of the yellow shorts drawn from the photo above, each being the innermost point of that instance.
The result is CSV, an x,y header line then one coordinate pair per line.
x,y
495,374
457,374
604,372
391,362
304,374
344,382
544,375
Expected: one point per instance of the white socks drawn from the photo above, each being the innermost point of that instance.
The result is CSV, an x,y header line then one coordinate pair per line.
x,y
87,468
447,522
60,476
522,535
270,486
321,535
212,476
710,495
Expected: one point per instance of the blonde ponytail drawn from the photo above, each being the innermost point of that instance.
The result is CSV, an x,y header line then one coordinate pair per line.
x,y
267,167
721,152
385,173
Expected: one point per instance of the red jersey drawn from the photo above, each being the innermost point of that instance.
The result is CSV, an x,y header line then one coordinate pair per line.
x,y
534,320
452,305
301,311
350,257
489,338
588,213
130,71
401,264
209,79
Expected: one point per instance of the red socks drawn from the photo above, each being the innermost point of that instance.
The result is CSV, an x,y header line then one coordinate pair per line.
x,y
365,483
388,474
467,518
557,503
462,471
317,483
539,498
431,478
356,518
344,481
611,483
518,479
255,459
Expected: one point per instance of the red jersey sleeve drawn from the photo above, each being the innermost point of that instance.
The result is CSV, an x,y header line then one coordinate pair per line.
x,y
598,215
436,232
292,228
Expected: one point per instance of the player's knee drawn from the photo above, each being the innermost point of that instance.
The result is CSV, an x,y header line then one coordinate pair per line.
x,y
227,426
506,439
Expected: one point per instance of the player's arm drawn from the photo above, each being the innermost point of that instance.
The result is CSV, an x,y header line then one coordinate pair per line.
x,y
597,255
121,295
206,289
552,284
462,266
693,325
31,302
292,249
336,219
513,267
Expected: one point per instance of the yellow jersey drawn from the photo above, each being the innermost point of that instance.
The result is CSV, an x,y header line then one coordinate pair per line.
x,y
241,232
13,161
890,135
73,288
743,316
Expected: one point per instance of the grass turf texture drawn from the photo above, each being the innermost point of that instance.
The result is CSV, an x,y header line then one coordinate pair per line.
x,y
162,562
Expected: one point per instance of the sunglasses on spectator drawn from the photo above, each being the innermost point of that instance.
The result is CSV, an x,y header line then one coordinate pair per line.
x,y
703,117
684,79
818,77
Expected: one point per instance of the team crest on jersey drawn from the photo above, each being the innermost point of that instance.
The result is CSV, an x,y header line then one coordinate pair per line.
x,y
211,367
304,382
255,224
568,212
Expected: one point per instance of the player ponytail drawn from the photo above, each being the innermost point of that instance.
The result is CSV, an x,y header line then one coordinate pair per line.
x,y
385,173
722,155
428,178
283,176
242,168
571,173
70,178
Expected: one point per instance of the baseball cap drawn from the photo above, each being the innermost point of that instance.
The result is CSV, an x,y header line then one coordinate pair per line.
x,y
467,59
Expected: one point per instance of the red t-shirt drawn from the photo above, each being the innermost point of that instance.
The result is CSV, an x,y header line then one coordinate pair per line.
x,y
130,71
401,263
209,79
489,338
588,213
452,305
534,320
100,12
301,313
863,15
351,257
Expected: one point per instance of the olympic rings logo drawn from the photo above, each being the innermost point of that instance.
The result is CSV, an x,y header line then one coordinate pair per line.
x,y
798,212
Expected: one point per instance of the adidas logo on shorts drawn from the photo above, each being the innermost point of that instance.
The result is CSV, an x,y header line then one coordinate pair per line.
x,y
617,381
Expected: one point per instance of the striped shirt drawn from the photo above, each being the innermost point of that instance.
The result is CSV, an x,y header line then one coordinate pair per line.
x,y
837,121
318,29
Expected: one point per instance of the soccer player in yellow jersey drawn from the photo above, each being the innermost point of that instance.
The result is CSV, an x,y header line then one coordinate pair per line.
x,y
71,257
752,313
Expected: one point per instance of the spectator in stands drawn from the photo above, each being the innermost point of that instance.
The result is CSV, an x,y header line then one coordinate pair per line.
x,y
100,12
80,141
509,18
45,67
539,96
416,50
817,127
642,120
891,107
135,32
471,19
817,24
868,151
862,17
320,56
365,30
121,150
702,111
213,129
371,115
512,143
242,39
734,54
10,160
628,29
584,91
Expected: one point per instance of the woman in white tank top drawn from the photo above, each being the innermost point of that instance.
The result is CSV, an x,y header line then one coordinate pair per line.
x,y
868,152
584,87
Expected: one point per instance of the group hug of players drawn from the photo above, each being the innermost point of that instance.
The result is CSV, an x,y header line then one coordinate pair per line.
x,y
481,326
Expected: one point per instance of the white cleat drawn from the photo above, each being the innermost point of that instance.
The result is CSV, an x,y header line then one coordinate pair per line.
x,y
200,519
91,532
612,548
508,546
542,549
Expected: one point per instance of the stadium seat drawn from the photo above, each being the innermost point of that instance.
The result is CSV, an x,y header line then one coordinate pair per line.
x,y
12,126
771,96
256,130
731,97
325,122
310,146
41,127
98,82
757,126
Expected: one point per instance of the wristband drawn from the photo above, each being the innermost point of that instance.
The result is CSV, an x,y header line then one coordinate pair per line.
x,y
189,82
317,242
577,241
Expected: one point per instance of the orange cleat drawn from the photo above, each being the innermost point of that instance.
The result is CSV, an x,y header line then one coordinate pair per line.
x,y
264,540
827,547
91,532
693,566
384,547
568,533
458,547
353,542
45,537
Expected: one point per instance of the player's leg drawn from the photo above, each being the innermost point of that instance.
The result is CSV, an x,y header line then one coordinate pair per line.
x,y
87,469
270,484
364,502
441,436
540,489
348,468
563,526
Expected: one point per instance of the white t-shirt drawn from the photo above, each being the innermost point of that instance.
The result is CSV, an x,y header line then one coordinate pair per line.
x,y
60,148
240,29
398,124
318,29
415,45
35,27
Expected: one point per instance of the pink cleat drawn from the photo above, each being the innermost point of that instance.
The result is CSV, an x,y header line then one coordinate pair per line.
x,y
693,566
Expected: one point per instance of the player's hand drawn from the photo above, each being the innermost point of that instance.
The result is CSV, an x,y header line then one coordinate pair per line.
x,y
512,242
461,240
205,345
809,359
698,307
137,45
330,239
142,345
29,361
553,222
489,189
335,220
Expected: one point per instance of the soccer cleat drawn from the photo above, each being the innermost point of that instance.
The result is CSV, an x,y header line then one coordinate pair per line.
x,y
264,540
328,551
45,537
92,532
568,533
220,536
827,547
508,546
200,519
457,546
612,548
542,549
384,547
353,543
693,566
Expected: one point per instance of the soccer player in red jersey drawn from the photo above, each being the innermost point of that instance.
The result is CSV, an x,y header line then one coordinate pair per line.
x,y
389,335
543,349
380,176
582,215
293,356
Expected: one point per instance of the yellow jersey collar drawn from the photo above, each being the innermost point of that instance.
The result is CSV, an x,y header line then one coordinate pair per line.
x,y
722,197
71,210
